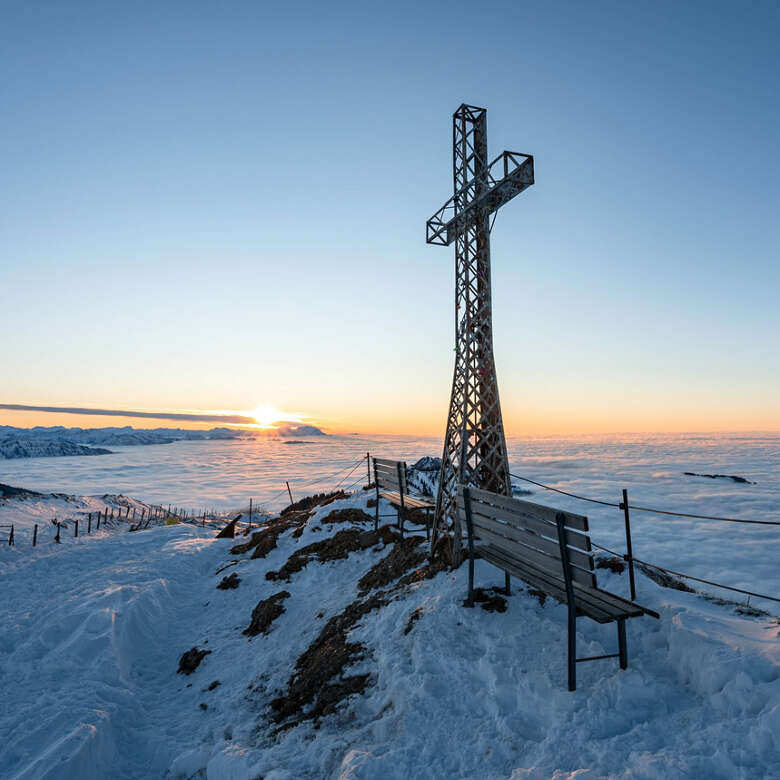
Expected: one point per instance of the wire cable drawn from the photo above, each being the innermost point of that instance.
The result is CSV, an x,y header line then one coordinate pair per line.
x,y
648,509
565,493
686,576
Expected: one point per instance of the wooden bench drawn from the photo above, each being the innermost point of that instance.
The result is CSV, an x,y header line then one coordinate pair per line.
x,y
549,550
391,484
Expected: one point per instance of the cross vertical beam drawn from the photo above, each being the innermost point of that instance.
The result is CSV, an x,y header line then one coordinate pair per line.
x,y
474,444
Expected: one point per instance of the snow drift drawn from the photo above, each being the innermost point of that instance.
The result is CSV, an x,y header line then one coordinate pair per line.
x,y
409,683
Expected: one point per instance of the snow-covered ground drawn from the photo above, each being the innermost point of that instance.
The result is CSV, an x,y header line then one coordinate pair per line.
x,y
93,630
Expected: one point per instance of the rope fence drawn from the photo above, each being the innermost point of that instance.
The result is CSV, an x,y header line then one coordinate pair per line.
x,y
645,508
628,556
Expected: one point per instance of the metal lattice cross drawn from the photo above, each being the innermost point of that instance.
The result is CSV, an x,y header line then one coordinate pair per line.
x,y
474,444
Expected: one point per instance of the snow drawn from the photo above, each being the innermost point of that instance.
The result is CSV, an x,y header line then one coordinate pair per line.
x,y
93,630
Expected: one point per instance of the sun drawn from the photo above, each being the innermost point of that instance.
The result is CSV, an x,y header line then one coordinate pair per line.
x,y
266,416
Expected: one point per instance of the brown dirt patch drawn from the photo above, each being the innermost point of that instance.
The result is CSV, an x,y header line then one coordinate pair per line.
x,y
310,502
335,547
614,564
489,600
347,516
417,516
425,572
665,580
405,555
265,540
265,613
230,582
318,683
190,660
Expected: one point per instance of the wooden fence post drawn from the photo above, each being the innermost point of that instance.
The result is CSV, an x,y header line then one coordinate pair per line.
x,y
289,492
57,537
368,468
76,528
89,523
11,537
35,534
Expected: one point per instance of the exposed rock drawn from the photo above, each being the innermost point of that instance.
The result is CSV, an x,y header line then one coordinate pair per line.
x,y
348,515
230,582
190,660
405,555
335,547
265,613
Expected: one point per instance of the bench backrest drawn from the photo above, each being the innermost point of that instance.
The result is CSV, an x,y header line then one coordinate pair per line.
x,y
390,474
529,532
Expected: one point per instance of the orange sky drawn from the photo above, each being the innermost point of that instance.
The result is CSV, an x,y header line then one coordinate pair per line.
x,y
531,418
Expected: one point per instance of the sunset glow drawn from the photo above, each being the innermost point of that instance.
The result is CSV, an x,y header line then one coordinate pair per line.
x,y
267,416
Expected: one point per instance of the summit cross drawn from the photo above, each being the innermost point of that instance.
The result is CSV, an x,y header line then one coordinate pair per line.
x,y
474,444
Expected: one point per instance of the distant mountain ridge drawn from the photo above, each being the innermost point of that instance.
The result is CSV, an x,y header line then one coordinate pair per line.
x,y
47,442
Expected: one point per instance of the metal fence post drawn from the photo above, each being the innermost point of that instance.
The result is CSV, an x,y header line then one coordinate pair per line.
x,y
629,549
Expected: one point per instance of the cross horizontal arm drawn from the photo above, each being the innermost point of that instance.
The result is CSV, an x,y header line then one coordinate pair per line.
x,y
517,174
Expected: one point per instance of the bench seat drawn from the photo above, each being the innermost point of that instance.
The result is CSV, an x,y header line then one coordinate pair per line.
x,y
594,603
409,502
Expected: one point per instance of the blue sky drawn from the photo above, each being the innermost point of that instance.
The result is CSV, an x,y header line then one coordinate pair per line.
x,y
221,206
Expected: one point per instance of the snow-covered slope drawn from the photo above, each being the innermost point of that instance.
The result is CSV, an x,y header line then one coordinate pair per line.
x,y
94,630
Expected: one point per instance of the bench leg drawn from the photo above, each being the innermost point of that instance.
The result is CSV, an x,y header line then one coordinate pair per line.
x,y
572,647
622,651
507,586
470,597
